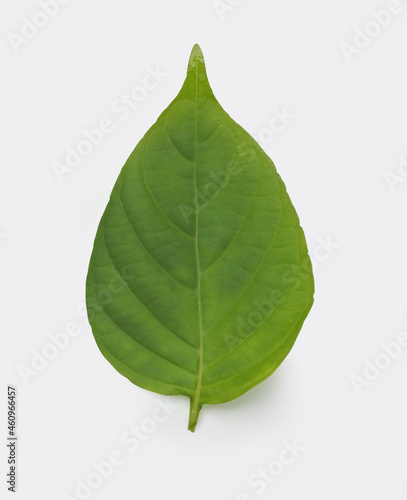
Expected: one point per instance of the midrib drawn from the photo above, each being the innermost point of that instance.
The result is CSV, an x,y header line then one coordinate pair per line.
x,y
195,403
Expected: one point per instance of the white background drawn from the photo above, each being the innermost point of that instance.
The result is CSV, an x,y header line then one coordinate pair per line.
x,y
336,157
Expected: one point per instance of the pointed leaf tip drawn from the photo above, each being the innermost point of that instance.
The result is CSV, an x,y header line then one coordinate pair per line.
x,y
196,57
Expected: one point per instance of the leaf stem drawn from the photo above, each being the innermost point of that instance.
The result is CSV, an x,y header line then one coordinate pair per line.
x,y
193,415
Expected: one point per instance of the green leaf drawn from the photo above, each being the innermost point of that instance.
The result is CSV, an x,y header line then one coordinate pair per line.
x,y
199,280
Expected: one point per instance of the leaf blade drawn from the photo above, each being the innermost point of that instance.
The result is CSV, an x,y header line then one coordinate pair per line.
x,y
202,239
